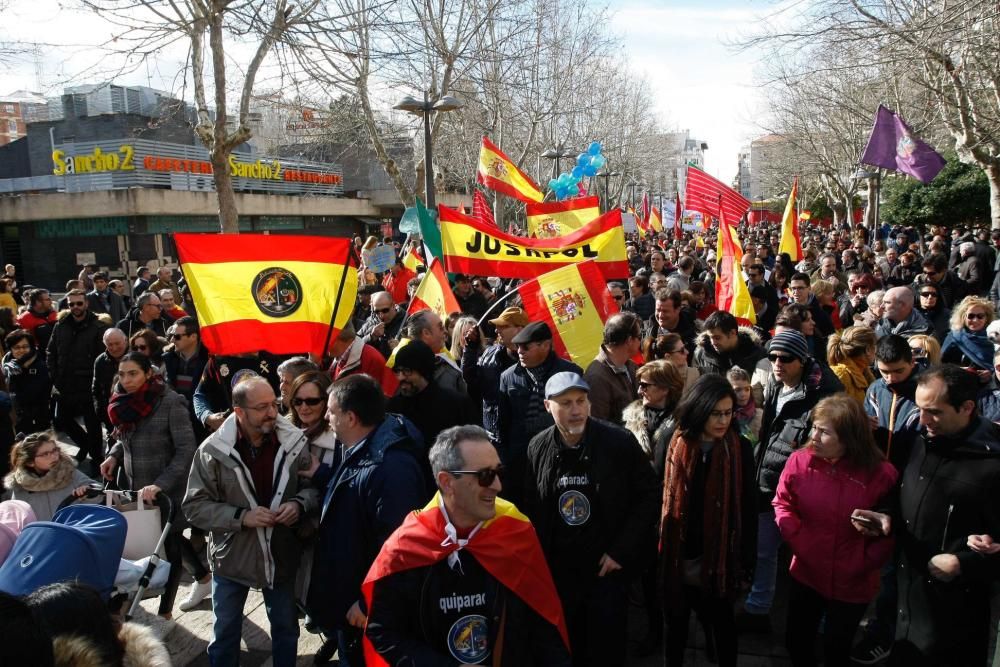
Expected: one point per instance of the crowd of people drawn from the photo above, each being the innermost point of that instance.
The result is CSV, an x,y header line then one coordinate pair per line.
x,y
853,422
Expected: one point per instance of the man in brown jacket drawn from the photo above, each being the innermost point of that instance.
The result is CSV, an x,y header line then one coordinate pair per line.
x,y
611,375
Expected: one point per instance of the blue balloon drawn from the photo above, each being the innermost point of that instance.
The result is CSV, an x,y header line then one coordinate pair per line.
x,y
553,184
598,162
594,148
589,170
583,159
577,171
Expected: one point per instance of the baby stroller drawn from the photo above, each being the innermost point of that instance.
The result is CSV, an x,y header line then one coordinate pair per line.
x,y
86,542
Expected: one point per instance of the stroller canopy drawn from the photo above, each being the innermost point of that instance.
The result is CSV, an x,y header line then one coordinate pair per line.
x,y
82,543
14,516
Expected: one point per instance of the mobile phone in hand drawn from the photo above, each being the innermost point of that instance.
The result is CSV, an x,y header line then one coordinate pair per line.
x,y
867,522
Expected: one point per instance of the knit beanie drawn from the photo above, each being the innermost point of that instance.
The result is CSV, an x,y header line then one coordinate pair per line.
x,y
416,356
790,342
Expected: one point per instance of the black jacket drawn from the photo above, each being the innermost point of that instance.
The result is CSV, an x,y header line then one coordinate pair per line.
x,y
482,377
402,614
391,330
434,409
110,302
131,324
73,347
474,304
948,491
786,430
685,328
747,355
628,494
105,375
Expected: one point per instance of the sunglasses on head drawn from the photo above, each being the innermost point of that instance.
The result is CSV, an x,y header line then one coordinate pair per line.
x,y
312,401
783,358
484,476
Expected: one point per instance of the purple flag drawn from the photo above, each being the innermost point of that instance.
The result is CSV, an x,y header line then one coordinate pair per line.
x,y
893,145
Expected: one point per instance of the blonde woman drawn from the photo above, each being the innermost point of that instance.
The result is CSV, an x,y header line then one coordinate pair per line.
x,y
826,297
926,350
850,354
462,326
967,345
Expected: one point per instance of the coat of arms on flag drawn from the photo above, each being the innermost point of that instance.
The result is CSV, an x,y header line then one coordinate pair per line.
x,y
566,304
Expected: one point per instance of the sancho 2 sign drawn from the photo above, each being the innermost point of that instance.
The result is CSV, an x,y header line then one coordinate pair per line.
x,y
107,165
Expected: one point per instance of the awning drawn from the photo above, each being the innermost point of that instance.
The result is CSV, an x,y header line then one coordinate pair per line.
x,y
373,222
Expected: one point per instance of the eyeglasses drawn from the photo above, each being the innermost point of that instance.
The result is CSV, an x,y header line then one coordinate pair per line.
x,y
382,311
721,414
312,401
783,358
47,453
930,273
76,303
678,351
975,316
484,476
928,295
918,352
647,385
177,336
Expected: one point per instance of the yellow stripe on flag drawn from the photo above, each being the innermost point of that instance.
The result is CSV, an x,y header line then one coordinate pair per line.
x,y
435,293
236,303
559,223
497,172
582,332
465,241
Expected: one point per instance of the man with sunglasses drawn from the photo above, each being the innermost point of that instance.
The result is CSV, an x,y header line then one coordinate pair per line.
x,y
381,329
76,342
465,580
147,314
796,385
935,272
930,305
184,362
592,496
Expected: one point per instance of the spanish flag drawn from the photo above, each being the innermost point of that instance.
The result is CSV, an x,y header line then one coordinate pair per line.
x,y
506,546
791,242
559,218
471,247
434,293
412,260
283,294
575,302
655,221
731,292
497,172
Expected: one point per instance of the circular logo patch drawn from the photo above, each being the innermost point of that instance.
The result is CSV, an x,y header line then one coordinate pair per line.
x,y
574,508
277,292
468,639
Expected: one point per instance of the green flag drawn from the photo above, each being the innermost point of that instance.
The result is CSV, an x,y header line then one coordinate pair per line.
x,y
430,232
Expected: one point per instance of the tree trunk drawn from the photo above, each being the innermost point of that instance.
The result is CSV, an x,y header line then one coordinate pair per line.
x,y
993,177
229,219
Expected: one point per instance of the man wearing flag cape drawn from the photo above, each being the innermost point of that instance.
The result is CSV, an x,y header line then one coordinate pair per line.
x,y
464,580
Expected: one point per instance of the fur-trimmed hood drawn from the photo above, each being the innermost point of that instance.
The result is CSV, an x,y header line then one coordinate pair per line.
x,y
103,318
142,649
703,340
59,477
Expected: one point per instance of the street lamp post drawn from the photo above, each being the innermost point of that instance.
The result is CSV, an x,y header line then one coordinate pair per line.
x,y
414,106
557,154
607,187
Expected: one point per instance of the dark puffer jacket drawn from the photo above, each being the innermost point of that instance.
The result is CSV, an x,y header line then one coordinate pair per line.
x,y
73,347
785,430
948,492
482,377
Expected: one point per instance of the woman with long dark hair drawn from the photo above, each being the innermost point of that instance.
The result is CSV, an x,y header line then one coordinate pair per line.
x,y
835,567
28,380
154,448
708,529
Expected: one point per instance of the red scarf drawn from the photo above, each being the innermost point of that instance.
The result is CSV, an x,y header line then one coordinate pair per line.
x,y
127,410
506,546
720,561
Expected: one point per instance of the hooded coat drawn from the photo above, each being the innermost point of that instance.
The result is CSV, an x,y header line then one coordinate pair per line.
x,y
142,649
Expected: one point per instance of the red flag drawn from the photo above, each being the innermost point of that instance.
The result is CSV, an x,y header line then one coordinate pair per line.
x,y
506,546
703,193
678,219
645,210
481,209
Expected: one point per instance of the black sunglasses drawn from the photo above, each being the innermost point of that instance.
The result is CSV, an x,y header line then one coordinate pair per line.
x,y
783,358
76,303
975,316
312,401
928,295
484,476
177,336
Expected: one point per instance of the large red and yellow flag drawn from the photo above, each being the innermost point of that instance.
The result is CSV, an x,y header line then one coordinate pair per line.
x,y
434,293
506,546
558,218
497,172
731,292
277,293
791,242
471,247
575,302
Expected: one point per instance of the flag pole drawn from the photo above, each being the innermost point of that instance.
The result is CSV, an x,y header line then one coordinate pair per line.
x,y
351,260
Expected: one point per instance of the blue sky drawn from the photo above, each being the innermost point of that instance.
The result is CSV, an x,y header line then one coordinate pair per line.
x,y
700,83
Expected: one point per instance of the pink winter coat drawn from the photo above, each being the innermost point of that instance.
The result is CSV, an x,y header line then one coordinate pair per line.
x,y
813,506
